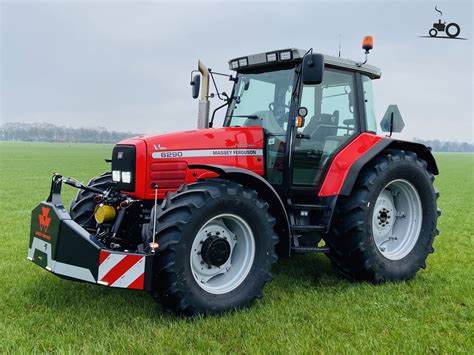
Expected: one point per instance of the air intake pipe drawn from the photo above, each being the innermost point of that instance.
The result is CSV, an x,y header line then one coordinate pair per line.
x,y
204,104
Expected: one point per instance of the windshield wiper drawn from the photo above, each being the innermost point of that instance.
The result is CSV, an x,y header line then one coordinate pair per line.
x,y
252,117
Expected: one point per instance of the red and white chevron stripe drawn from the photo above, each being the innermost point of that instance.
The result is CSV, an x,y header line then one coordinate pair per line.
x,y
121,270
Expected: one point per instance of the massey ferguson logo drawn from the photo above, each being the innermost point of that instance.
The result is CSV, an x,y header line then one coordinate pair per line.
x,y
44,220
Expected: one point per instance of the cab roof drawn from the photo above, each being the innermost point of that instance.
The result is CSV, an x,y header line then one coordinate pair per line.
x,y
295,55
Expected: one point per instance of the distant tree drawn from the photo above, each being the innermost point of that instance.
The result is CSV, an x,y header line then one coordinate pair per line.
x,y
447,146
47,132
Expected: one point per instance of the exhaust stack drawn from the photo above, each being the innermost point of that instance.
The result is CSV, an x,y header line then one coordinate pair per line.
x,y
204,104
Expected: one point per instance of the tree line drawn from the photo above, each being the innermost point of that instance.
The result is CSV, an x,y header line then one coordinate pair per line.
x,y
48,132
446,146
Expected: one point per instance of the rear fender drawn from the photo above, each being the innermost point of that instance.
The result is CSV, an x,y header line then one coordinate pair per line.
x,y
265,191
385,144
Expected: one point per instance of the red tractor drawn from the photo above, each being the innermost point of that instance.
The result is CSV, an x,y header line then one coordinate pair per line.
x,y
198,218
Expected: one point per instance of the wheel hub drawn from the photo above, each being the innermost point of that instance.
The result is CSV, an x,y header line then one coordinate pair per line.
x,y
222,253
397,219
215,250
384,217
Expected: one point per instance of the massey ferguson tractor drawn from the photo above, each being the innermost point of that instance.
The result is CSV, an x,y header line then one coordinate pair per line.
x,y
198,218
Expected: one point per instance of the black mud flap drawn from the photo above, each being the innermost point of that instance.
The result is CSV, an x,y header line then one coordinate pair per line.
x,y
63,247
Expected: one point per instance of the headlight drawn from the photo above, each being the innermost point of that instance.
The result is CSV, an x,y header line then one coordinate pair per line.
x,y
126,177
116,175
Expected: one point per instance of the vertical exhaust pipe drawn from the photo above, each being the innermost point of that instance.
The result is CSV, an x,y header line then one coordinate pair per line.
x,y
204,104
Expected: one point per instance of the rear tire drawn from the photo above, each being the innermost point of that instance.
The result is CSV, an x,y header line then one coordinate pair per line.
x,y
83,205
378,235
456,32
206,228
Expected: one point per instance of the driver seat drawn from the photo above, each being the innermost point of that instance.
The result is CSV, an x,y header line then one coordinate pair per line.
x,y
318,130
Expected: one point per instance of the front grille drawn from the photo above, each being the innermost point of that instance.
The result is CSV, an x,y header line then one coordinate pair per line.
x,y
168,175
123,159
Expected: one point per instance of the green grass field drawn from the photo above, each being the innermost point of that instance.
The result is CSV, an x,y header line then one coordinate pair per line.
x,y
307,308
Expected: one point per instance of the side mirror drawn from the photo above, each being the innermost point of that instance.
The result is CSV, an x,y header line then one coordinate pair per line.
x,y
195,85
392,120
313,69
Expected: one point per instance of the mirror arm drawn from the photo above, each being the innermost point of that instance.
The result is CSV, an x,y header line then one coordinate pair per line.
x,y
391,124
211,122
215,85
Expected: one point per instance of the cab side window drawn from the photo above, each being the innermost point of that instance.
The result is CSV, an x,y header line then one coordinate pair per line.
x,y
329,124
371,122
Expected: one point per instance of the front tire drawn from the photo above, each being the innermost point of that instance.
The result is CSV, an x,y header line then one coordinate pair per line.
x,y
433,32
384,230
216,248
82,207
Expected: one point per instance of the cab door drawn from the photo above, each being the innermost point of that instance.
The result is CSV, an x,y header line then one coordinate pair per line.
x,y
331,122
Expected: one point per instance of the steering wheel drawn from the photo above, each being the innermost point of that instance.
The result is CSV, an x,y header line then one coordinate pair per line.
x,y
271,106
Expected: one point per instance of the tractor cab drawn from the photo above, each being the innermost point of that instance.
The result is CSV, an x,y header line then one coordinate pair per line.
x,y
273,88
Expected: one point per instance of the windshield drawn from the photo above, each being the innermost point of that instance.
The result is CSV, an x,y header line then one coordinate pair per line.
x,y
262,99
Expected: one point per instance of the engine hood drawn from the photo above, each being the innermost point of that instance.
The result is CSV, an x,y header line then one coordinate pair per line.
x,y
230,138
161,158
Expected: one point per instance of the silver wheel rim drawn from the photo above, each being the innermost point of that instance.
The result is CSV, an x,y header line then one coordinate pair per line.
x,y
397,219
228,276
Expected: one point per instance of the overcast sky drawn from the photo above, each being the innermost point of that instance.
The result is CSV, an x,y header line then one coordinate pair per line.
x,y
126,65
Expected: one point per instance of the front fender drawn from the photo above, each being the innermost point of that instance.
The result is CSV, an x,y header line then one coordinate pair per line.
x,y
266,191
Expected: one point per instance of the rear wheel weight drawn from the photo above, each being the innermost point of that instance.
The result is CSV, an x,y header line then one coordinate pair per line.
x,y
385,229
217,247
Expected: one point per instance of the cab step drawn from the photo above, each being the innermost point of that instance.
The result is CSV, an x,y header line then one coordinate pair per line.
x,y
308,228
322,250
306,207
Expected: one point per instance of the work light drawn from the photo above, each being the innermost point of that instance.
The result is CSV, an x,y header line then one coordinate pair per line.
x,y
243,62
285,55
271,57
116,176
126,177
